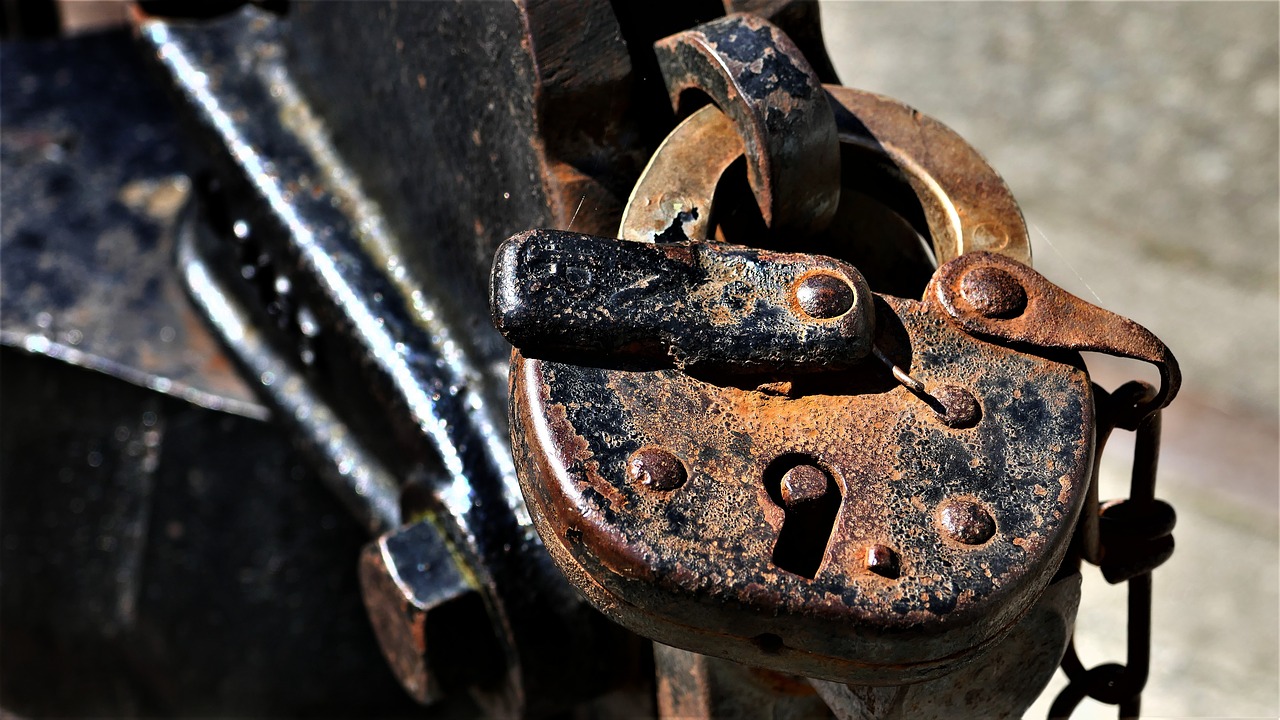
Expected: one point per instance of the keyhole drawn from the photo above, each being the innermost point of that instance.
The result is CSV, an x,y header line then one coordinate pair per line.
x,y
810,500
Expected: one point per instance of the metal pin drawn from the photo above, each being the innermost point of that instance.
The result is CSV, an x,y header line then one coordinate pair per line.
x,y
954,404
901,375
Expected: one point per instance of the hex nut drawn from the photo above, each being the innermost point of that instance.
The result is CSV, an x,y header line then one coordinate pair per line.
x,y
429,619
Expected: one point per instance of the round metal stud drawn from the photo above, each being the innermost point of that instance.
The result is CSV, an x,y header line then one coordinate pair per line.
x,y
993,292
656,469
961,408
803,484
883,561
823,296
966,521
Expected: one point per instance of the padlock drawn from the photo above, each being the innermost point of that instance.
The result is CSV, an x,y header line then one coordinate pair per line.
x,y
850,486
832,524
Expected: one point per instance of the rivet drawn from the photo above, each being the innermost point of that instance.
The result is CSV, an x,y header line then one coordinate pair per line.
x,y
966,521
656,469
803,484
961,408
883,561
993,292
823,296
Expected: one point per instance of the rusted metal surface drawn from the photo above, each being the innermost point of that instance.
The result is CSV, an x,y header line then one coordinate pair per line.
x,y
709,306
803,484
698,686
683,173
656,469
812,504
1002,685
993,293
993,296
966,522
801,21
912,190
960,409
822,296
759,78
696,568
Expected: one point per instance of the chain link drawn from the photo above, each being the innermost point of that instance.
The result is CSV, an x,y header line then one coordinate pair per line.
x,y
1130,538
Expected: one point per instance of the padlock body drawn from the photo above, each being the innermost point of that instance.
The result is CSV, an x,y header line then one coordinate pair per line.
x,y
694,566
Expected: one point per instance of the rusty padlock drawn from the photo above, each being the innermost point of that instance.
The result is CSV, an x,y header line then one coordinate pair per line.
x,y
786,498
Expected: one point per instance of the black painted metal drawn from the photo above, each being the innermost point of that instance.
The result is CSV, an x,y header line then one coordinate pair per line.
x,y
714,306
159,558
92,179
288,236
758,77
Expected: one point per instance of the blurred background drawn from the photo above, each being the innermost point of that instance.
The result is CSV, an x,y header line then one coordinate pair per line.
x,y
1141,141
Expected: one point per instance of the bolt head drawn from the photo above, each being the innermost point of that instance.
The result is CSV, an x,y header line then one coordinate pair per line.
x,y
656,469
966,521
961,409
993,293
803,484
823,296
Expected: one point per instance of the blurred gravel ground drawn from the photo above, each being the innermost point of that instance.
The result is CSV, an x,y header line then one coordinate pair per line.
x,y
1141,140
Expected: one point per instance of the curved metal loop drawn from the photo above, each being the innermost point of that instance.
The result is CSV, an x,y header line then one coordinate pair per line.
x,y
967,205
672,199
761,80
1112,683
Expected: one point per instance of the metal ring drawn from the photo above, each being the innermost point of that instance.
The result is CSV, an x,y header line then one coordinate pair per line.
x,y
760,79
967,206
676,189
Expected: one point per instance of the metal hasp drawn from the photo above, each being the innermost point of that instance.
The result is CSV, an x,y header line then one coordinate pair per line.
x,y
995,297
692,305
